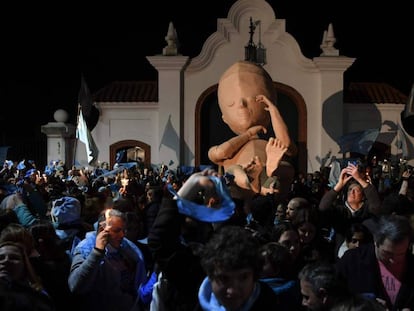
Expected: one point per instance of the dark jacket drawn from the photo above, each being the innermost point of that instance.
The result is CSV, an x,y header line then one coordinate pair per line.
x,y
336,215
98,278
175,259
21,297
288,293
359,267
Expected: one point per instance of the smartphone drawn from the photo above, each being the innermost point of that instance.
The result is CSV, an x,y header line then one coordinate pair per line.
x,y
103,221
101,224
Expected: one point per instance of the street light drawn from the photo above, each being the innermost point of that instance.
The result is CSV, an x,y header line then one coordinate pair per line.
x,y
252,52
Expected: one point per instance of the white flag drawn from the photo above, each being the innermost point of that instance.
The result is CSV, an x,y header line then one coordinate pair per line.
x,y
84,135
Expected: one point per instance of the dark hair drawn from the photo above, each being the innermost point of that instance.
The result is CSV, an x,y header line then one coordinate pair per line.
x,y
123,204
7,216
358,227
280,228
44,230
31,276
231,248
280,259
395,228
358,303
261,210
322,275
16,232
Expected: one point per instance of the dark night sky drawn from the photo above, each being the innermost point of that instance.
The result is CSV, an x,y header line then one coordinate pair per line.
x,y
45,50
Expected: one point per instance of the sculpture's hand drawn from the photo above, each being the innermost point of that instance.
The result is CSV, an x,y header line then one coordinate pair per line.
x,y
269,106
254,130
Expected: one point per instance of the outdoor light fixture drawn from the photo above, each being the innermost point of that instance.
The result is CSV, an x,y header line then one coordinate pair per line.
x,y
252,52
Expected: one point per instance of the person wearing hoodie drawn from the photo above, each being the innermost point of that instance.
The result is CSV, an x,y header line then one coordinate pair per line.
x,y
183,225
232,262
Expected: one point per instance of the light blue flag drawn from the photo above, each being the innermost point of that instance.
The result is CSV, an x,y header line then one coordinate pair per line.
x,y
84,135
204,213
359,142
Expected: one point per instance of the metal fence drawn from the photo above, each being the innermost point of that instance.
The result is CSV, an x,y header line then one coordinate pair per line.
x,y
30,149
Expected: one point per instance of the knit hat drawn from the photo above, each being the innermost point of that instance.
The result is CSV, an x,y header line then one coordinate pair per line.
x,y
66,210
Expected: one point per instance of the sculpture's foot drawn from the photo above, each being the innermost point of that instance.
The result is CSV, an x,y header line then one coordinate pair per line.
x,y
274,153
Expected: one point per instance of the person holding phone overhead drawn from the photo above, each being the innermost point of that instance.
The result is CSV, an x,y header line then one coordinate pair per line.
x,y
351,200
107,269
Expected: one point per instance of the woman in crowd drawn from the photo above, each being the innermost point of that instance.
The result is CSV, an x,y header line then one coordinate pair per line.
x,y
20,287
355,236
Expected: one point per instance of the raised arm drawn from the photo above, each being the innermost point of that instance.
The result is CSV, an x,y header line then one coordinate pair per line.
x,y
278,124
329,197
371,193
217,154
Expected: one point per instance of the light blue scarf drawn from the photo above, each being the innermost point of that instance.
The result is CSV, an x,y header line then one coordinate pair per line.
x,y
203,212
209,302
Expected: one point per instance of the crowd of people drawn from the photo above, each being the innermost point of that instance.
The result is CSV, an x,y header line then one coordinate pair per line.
x,y
138,238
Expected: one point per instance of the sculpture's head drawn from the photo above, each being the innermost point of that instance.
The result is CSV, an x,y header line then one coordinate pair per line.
x,y
237,90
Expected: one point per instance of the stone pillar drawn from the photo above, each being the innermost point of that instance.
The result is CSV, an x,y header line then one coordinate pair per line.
x,y
332,70
171,107
60,138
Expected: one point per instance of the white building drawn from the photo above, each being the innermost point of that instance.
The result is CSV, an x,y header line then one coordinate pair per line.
x,y
176,119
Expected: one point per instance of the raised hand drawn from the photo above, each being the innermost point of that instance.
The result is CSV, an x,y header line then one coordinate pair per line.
x,y
103,235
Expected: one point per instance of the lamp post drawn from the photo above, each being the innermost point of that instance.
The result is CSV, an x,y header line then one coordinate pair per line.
x,y
252,52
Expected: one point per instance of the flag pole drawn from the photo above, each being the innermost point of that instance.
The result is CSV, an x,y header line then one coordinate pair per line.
x,y
75,146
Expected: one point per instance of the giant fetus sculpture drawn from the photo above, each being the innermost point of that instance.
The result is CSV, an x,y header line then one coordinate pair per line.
x,y
247,98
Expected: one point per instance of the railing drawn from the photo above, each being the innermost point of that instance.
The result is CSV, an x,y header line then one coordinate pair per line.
x,y
30,149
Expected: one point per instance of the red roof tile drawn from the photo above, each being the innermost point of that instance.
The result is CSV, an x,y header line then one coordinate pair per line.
x,y
128,91
147,91
375,93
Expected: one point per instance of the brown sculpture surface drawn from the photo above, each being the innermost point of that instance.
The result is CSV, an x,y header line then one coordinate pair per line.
x,y
247,100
